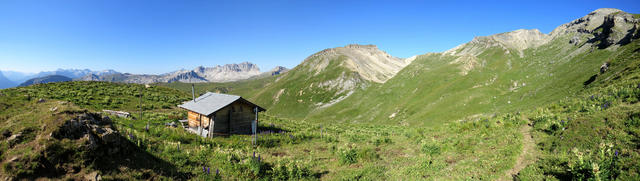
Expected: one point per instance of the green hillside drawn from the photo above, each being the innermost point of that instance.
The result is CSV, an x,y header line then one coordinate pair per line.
x,y
39,140
102,95
518,105
431,90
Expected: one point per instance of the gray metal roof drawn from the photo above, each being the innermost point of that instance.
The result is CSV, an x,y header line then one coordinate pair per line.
x,y
210,102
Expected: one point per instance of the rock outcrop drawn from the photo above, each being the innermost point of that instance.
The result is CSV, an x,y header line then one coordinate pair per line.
x,y
602,28
100,138
517,40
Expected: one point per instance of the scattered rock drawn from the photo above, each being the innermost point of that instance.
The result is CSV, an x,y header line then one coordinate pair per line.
x,y
604,67
575,40
117,113
14,139
13,159
54,109
100,138
106,120
171,124
41,100
93,176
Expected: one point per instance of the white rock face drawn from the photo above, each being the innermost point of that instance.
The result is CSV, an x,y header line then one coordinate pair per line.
x,y
228,72
603,27
224,73
518,40
585,24
369,61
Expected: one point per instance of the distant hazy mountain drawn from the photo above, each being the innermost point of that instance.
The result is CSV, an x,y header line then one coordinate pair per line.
x,y
224,73
46,79
15,76
5,83
75,73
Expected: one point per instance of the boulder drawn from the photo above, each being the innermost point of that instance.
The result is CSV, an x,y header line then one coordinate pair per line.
x,y
575,40
604,67
14,139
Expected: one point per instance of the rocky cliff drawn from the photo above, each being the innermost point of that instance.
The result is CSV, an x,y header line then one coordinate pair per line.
x,y
220,73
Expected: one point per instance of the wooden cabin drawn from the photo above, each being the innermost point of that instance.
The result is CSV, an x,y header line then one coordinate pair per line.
x,y
224,114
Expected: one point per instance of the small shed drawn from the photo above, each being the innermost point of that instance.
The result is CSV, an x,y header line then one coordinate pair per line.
x,y
221,114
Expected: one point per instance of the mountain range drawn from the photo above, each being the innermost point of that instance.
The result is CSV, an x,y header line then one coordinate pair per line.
x,y
224,73
521,105
490,74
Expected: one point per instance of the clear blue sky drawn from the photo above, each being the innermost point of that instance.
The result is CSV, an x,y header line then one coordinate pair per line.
x,y
159,36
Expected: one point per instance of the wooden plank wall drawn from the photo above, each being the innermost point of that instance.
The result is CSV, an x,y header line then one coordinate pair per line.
x,y
241,118
194,119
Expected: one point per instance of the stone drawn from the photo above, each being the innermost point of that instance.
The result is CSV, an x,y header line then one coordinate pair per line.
x,y
111,137
575,40
92,142
604,67
14,139
106,120
93,176
41,100
171,124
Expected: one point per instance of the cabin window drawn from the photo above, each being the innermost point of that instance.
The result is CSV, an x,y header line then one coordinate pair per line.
x,y
233,109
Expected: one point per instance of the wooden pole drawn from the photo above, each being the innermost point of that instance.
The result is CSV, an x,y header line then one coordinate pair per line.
x,y
200,127
211,122
255,133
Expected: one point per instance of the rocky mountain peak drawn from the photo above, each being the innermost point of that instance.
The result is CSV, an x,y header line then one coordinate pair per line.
x,y
361,46
278,70
370,62
605,11
518,40
590,23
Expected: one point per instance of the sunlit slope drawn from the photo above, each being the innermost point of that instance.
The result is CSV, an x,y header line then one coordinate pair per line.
x,y
439,86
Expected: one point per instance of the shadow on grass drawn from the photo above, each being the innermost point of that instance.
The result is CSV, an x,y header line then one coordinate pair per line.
x,y
134,158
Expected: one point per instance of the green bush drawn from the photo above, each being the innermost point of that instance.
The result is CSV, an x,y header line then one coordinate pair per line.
x,y
347,156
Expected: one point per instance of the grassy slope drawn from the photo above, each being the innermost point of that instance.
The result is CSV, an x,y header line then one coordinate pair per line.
x,y
431,91
103,95
593,135
484,147
38,154
344,151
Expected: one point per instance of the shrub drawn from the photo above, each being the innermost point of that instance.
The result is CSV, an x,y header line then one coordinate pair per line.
x,y
430,149
347,156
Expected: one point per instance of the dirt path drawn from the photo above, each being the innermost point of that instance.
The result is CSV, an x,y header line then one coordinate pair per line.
x,y
528,153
